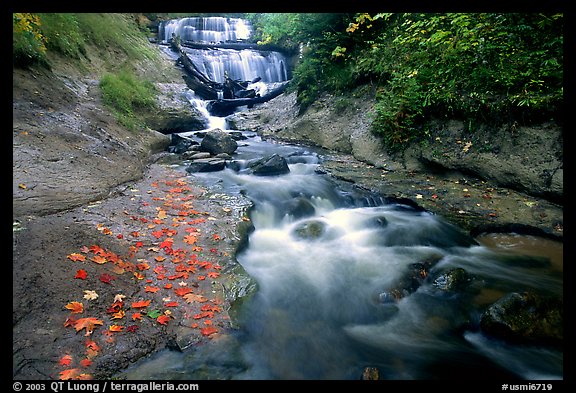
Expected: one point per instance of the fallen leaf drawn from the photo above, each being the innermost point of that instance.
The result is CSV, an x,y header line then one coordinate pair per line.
x,y
107,278
116,328
90,295
71,373
163,319
65,360
75,257
87,323
192,297
190,239
86,363
208,330
154,314
81,274
182,291
141,304
99,259
75,307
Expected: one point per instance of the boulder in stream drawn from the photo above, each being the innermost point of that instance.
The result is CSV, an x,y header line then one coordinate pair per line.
x,y
217,141
526,317
270,166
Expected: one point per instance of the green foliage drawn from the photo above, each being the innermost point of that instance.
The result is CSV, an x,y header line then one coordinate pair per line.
x,y
127,96
479,67
115,31
28,42
70,34
63,34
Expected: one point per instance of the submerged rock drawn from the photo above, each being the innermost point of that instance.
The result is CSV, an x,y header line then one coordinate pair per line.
x,y
270,166
453,280
526,318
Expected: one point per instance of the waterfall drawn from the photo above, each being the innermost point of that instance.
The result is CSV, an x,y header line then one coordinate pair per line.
x,y
212,29
244,65
240,64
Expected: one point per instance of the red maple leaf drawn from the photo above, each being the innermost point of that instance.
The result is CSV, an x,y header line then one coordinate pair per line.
x,y
106,278
81,274
141,304
208,330
163,319
65,360
182,291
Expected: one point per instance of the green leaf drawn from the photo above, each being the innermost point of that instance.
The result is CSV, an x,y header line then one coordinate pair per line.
x,y
154,314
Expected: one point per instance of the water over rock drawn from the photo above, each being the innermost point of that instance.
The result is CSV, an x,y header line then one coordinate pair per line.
x,y
270,166
525,317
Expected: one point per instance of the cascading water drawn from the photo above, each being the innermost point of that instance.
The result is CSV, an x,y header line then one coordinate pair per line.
x,y
347,280
209,30
244,65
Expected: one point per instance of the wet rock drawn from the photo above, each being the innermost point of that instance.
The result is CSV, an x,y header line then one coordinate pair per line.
x,y
526,318
310,230
179,144
377,222
217,141
206,165
196,155
299,208
270,166
454,280
414,277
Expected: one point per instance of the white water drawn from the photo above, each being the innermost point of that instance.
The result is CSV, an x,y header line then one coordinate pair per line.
x,y
212,29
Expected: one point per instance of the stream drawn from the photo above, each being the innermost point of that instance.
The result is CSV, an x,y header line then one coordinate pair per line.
x,y
348,280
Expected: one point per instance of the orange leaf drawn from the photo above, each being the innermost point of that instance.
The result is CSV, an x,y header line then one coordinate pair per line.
x,y
141,304
72,373
92,345
208,330
85,363
163,319
116,328
182,291
191,297
76,257
98,259
190,239
87,323
213,274
171,304
151,289
65,360
162,214
75,307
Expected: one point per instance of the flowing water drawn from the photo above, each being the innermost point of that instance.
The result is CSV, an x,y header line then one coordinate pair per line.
x,y
336,293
